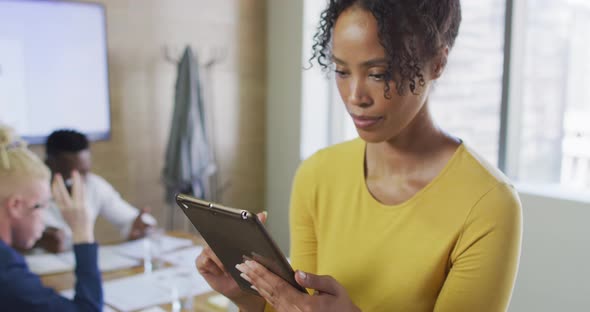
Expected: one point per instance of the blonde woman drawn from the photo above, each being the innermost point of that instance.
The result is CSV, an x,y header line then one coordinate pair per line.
x,y
24,193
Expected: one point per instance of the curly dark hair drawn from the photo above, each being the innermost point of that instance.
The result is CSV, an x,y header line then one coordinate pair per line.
x,y
65,141
411,31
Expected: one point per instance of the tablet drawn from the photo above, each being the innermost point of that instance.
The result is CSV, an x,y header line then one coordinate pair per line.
x,y
235,236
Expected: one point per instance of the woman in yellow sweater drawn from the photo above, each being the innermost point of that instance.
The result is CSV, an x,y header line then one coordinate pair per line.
x,y
407,217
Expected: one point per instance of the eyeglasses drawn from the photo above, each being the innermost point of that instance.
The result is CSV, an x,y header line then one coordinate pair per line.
x,y
37,206
40,205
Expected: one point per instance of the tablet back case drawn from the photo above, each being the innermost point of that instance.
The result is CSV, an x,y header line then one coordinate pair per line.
x,y
236,235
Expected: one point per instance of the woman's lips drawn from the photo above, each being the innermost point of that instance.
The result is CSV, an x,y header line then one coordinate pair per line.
x,y
365,122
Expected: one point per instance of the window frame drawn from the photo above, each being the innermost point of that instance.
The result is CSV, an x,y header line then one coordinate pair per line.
x,y
511,107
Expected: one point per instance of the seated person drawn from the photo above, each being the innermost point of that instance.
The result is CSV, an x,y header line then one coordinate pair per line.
x,y
24,194
68,150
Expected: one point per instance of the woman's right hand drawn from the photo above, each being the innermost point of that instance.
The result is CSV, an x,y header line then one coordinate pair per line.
x,y
211,268
73,208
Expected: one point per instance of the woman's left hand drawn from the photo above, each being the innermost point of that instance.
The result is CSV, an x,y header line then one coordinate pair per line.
x,y
329,295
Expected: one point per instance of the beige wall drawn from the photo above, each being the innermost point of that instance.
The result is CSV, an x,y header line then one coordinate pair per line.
x,y
285,31
142,86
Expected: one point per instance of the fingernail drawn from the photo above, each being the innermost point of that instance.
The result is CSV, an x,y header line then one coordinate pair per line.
x,y
254,287
244,276
302,274
240,267
250,263
265,213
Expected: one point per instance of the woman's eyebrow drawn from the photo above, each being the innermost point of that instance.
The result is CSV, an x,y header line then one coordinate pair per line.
x,y
337,60
368,63
375,62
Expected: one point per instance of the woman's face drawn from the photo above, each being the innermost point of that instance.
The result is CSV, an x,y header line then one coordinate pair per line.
x,y
27,221
361,66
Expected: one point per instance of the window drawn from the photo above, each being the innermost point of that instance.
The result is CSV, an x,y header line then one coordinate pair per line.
x,y
316,89
554,137
467,98
540,134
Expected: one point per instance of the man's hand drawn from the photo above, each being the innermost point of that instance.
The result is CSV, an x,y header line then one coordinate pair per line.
x,y
73,208
140,228
53,240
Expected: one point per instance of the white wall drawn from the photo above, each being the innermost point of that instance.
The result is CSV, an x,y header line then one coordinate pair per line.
x,y
554,273
283,121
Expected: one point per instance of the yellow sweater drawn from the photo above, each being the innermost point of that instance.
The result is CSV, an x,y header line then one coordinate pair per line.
x,y
454,246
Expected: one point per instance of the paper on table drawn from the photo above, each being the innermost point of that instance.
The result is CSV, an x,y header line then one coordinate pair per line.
x,y
136,248
183,257
70,295
106,308
41,264
153,309
187,281
108,260
146,290
219,301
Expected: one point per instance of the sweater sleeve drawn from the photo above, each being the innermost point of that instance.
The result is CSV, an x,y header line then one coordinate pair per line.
x,y
301,222
302,219
23,291
485,259
88,279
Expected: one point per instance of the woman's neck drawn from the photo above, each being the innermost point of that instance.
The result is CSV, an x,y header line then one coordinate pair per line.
x,y
418,143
